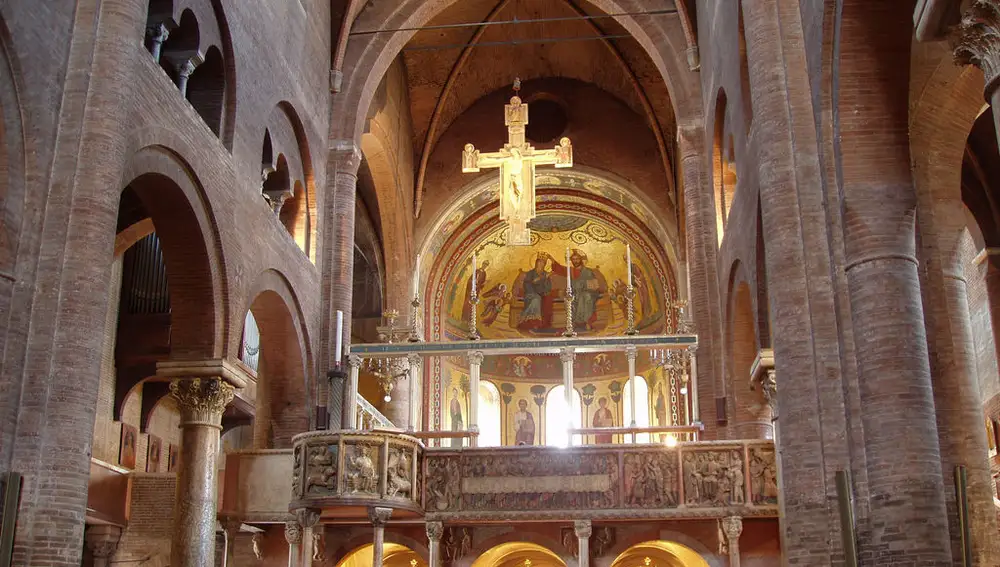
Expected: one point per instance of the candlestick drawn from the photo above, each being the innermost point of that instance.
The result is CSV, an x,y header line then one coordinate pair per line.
x,y
339,351
628,262
569,273
474,273
416,277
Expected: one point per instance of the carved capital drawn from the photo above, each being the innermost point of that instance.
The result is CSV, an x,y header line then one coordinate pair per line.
x,y
293,533
631,353
307,517
434,531
189,65
732,526
158,32
345,156
977,41
476,357
202,400
379,516
102,540
583,529
415,360
567,355
354,361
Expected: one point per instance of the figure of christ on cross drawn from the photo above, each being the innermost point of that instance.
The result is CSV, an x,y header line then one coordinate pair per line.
x,y
516,161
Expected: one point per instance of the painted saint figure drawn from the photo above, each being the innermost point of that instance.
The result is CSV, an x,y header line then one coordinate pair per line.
x,y
603,418
457,423
536,289
587,288
661,409
524,424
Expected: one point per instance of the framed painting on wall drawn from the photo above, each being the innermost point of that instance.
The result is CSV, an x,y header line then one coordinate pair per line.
x,y
127,449
153,454
173,457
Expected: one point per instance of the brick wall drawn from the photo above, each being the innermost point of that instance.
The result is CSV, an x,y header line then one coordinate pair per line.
x,y
146,539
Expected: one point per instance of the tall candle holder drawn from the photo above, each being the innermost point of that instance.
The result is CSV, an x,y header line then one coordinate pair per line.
x,y
473,315
630,310
570,330
414,324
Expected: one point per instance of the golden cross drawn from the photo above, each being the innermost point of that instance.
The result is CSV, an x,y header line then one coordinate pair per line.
x,y
517,160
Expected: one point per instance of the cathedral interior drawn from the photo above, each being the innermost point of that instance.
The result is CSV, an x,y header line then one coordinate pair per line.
x,y
499,283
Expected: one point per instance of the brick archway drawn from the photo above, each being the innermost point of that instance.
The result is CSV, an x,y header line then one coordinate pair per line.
x,y
749,414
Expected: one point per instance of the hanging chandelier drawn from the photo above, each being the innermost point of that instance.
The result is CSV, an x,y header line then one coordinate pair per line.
x,y
388,370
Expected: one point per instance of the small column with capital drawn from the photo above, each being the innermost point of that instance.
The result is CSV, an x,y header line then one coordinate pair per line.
x,y
630,355
978,43
293,535
434,532
732,526
307,518
201,402
378,517
583,529
102,541
416,362
157,34
185,72
349,412
475,363
567,356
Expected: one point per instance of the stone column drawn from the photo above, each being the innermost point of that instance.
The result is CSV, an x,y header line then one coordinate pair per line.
x,y
733,528
231,527
630,356
378,517
475,363
416,415
567,356
583,529
102,541
434,532
293,535
307,518
157,34
979,44
185,71
201,402
336,258
349,413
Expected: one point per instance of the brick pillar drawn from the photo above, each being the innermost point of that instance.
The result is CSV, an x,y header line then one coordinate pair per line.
x,y
702,247
201,402
957,399
907,519
337,258
801,248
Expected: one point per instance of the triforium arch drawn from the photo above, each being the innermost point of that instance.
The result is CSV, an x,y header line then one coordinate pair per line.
x,y
285,388
192,250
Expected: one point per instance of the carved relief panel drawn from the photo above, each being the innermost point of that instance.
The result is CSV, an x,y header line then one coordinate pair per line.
x,y
361,464
651,479
714,478
321,469
763,476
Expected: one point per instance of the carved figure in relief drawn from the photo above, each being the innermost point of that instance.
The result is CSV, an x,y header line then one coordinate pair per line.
x,y
398,475
648,482
604,540
763,477
713,478
362,475
443,478
321,468
736,484
570,542
457,543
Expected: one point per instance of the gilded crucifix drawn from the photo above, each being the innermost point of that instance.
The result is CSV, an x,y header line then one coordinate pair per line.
x,y
517,160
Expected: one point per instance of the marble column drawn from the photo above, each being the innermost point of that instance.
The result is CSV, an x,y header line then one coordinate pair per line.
x,y
630,355
102,542
567,356
293,535
434,532
475,363
733,528
416,415
185,71
308,518
157,35
201,402
583,529
349,412
378,517
336,258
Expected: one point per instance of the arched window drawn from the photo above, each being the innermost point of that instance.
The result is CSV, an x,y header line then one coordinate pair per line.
x,y
641,407
556,414
489,415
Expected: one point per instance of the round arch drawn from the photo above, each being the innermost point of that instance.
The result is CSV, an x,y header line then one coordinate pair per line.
x,y
367,59
659,553
393,555
750,415
284,389
186,227
518,554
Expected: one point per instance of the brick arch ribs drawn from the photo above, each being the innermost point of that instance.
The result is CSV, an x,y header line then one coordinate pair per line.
x,y
749,414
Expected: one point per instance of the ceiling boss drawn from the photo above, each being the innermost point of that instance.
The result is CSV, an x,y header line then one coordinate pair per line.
x,y
517,160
